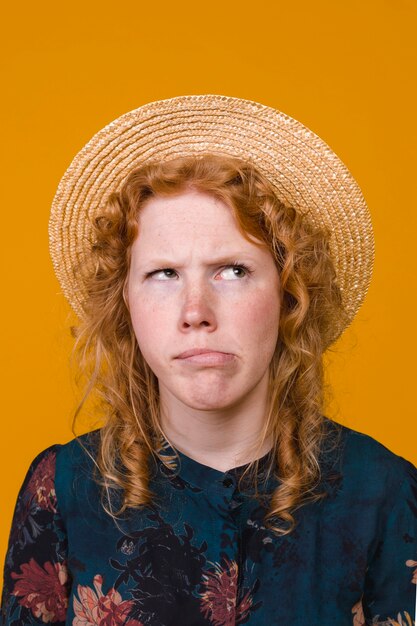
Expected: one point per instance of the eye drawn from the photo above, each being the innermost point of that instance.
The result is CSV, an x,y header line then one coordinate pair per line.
x,y
236,268
155,272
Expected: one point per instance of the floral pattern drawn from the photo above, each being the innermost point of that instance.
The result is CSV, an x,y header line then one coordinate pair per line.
x,y
402,620
43,590
41,487
358,616
218,601
359,619
94,608
405,620
203,556
411,563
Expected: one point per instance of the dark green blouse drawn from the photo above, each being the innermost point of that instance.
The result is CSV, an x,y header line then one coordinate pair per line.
x,y
201,555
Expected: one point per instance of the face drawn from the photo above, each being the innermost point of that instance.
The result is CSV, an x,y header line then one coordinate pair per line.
x,y
185,295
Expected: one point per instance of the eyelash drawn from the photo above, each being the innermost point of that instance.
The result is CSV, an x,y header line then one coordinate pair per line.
x,y
242,266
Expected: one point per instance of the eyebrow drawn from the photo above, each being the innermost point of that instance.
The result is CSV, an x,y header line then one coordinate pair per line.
x,y
229,258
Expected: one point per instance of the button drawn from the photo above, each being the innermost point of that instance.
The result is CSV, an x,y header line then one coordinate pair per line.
x,y
228,482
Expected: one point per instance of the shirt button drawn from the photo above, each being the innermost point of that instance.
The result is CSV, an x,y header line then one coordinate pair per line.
x,y
228,482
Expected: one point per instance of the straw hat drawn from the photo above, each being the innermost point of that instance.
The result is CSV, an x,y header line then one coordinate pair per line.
x,y
302,168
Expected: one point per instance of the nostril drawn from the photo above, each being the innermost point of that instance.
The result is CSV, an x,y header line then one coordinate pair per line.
x,y
189,324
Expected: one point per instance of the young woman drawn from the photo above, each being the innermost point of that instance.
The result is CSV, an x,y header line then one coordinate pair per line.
x,y
213,248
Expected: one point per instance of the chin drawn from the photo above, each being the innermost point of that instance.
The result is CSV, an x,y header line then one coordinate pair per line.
x,y
209,403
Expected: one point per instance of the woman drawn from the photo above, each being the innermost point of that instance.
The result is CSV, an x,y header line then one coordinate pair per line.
x,y
213,249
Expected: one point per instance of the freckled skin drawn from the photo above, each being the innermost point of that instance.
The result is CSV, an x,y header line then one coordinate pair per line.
x,y
201,305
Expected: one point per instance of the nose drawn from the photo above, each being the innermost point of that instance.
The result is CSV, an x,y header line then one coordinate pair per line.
x,y
197,308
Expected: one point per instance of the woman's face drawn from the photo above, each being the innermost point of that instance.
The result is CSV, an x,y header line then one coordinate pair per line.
x,y
184,295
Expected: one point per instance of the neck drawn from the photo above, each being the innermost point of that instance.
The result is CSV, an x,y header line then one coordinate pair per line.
x,y
220,438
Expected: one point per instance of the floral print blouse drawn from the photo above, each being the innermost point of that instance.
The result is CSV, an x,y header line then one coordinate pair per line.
x,y
203,557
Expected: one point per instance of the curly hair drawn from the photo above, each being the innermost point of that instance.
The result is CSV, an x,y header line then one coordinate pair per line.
x,y
108,353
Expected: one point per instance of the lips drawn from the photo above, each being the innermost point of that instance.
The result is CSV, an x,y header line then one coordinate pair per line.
x,y
196,351
204,358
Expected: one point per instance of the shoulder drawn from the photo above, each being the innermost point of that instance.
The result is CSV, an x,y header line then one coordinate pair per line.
x,y
78,455
369,466
75,451
38,487
56,468
79,450
363,450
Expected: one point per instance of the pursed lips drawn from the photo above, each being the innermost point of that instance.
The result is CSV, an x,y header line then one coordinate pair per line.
x,y
197,351
205,357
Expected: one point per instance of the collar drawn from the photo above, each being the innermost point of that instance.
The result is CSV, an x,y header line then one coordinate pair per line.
x,y
205,477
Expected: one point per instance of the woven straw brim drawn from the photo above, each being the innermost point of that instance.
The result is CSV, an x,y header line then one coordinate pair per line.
x,y
302,168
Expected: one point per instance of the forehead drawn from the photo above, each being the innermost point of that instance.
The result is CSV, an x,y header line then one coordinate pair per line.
x,y
184,206
181,219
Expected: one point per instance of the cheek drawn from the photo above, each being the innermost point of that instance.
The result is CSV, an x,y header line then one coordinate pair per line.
x,y
262,317
258,326
149,322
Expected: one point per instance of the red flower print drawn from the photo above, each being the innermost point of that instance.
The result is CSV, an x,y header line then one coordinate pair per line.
x,y
218,601
411,563
43,590
41,486
104,610
358,616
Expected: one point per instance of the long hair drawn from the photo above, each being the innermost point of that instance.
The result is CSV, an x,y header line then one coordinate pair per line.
x,y
117,374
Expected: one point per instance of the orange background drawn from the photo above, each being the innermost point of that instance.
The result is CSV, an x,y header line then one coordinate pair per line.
x,y
345,69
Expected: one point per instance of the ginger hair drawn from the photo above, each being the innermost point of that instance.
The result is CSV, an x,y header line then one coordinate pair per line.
x,y
127,390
